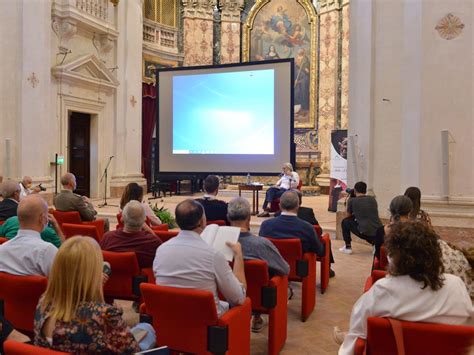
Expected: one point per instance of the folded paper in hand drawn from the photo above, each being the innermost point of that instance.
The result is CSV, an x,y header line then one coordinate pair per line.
x,y
217,236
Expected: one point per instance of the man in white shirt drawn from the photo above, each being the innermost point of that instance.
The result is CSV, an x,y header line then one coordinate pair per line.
x,y
188,261
27,253
25,186
288,181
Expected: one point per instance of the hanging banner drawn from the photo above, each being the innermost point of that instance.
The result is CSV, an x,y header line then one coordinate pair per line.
x,y
339,157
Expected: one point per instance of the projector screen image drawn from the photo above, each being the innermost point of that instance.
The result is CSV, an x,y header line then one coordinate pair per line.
x,y
233,111
230,119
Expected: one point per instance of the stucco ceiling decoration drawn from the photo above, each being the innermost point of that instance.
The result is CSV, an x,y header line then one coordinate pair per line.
x,y
449,27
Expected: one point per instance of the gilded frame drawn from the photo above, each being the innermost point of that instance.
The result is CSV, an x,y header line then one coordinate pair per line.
x,y
147,73
313,24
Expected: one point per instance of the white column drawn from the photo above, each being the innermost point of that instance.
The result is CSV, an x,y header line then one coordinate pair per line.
x,y
128,121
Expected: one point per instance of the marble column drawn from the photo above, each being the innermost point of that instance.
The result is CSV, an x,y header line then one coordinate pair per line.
x,y
128,121
198,31
230,30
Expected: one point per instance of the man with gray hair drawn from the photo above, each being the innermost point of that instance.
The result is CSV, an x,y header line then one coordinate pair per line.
x,y
133,237
11,197
288,225
25,186
254,247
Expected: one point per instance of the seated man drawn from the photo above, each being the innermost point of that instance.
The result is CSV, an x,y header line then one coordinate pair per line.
x,y
52,233
364,220
209,269
132,237
289,180
11,197
254,247
67,201
288,225
25,186
215,209
27,253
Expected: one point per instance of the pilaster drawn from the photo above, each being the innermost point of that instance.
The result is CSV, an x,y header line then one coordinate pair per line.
x,y
230,30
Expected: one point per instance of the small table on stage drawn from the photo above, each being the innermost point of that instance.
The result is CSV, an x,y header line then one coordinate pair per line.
x,y
255,189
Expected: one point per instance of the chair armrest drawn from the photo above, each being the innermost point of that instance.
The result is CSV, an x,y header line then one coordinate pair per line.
x,y
368,284
237,322
359,347
236,313
302,268
217,339
136,281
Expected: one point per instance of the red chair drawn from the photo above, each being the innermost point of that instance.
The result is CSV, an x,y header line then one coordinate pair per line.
x,y
148,272
219,222
186,321
3,240
1,222
325,262
269,296
124,282
12,347
166,235
19,297
418,338
71,230
74,217
302,269
373,278
275,204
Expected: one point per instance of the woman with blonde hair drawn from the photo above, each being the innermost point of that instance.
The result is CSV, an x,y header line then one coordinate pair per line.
x,y
71,315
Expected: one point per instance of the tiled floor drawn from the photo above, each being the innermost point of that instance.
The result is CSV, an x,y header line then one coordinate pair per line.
x,y
333,308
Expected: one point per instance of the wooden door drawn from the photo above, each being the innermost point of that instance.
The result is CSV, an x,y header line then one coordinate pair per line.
x,y
79,150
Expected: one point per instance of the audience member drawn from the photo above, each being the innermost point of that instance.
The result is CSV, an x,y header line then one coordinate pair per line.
x,y
215,209
52,233
364,220
209,269
71,315
289,180
25,187
11,197
400,208
132,237
288,225
133,191
67,201
304,213
416,289
8,333
27,253
414,194
254,247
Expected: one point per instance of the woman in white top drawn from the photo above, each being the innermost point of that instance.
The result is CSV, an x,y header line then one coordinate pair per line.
x,y
133,191
415,290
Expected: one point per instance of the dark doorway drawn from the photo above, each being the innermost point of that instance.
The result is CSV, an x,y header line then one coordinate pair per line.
x,y
79,150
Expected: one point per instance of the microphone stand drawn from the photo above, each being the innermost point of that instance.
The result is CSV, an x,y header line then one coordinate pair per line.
x,y
104,175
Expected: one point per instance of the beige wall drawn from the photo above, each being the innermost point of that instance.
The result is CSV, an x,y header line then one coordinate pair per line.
x,y
406,85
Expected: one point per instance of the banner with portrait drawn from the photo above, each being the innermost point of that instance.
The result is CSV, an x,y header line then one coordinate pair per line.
x,y
339,157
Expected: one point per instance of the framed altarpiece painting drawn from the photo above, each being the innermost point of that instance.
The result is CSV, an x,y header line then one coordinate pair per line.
x,y
287,29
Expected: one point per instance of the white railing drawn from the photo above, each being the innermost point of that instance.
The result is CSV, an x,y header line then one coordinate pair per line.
x,y
161,36
96,8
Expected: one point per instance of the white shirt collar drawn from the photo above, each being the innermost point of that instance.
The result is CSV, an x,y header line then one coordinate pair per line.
x,y
13,200
28,233
186,233
284,213
209,197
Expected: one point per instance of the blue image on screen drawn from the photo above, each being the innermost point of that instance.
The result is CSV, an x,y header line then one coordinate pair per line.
x,y
224,113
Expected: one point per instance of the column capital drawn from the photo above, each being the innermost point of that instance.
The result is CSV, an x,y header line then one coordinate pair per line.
x,y
231,9
203,9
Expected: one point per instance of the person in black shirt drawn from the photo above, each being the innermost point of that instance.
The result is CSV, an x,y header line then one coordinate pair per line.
x,y
214,209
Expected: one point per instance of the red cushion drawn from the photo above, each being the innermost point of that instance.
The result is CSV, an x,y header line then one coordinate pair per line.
x,y
71,230
124,267
12,347
67,217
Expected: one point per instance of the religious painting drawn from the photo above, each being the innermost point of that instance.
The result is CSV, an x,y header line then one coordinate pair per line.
x,y
151,64
287,29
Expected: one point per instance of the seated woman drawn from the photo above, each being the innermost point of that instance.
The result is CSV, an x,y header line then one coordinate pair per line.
x,y
289,180
71,315
415,290
133,191
417,214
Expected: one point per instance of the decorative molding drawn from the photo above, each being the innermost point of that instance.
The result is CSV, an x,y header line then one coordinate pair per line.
x,y
159,38
202,9
449,27
103,43
87,71
231,9
33,80
64,29
133,101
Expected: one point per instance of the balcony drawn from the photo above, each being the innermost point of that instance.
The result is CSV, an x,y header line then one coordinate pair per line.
x,y
160,38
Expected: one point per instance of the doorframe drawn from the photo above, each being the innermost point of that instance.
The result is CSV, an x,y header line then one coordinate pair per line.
x,y
95,108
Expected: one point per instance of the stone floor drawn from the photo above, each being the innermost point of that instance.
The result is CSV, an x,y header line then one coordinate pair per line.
x,y
333,308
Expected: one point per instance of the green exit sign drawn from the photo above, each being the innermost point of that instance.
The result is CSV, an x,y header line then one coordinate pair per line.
x,y
60,160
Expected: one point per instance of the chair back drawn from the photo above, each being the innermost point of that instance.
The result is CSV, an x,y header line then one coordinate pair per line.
x,y
418,338
219,222
1,222
12,347
149,274
292,251
19,297
160,227
125,269
373,278
166,235
3,240
300,184
67,217
383,262
70,230
256,274
318,230
176,309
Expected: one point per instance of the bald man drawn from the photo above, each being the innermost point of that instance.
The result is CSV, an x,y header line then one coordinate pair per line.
x,y
27,253
25,186
11,197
